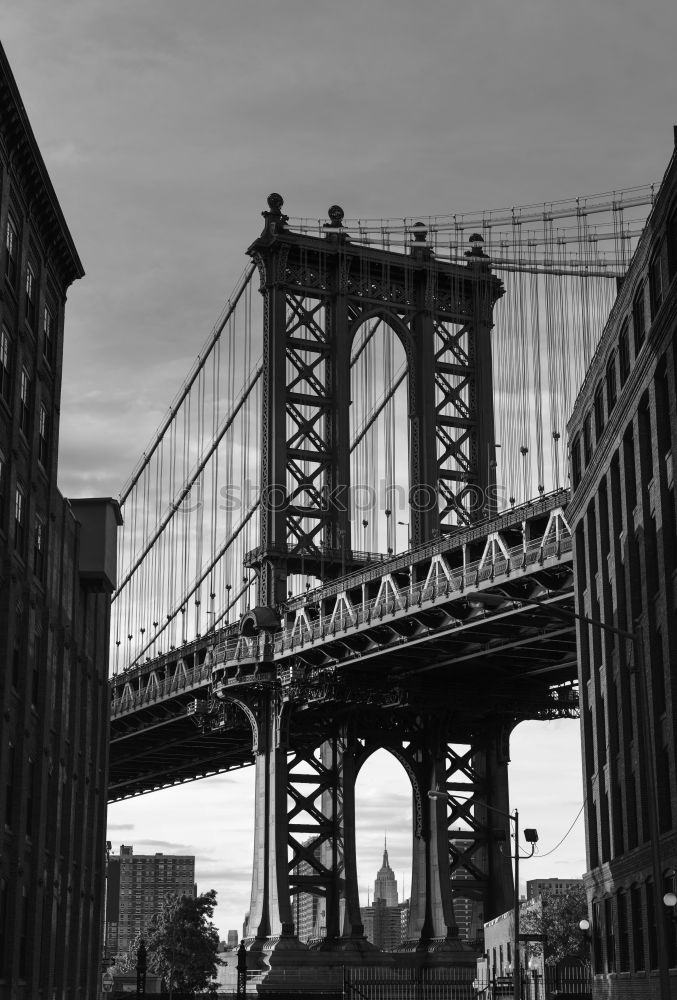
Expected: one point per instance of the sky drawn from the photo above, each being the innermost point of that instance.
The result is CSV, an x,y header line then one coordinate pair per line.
x,y
164,126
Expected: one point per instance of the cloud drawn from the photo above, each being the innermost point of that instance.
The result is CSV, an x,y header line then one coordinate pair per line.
x,y
64,154
186,848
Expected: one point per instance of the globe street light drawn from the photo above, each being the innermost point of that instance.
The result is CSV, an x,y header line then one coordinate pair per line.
x,y
533,969
531,837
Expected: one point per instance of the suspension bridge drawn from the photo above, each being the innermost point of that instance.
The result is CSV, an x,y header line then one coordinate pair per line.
x,y
350,533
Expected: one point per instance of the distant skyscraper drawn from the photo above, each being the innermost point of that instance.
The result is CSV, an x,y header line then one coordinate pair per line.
x,y
232,941
559,886
385,886
137,887
385,921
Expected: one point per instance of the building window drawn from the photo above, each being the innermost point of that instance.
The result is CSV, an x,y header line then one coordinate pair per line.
x,y
30,780
670,885
39,548
575,462
656,282
23,937
31,295
4,893
624,354
611,383
20,520
672,246
587,439
5,363
43,436
637,924
651,923
11,251
25,403
639,319
610,943
599,411
3,488
9,787
48,336
623,933
597,965
16,657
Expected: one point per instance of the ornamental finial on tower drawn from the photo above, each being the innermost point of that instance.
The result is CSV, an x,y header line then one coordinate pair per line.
x,y
420,247
335,214
334,228
276,221
476,252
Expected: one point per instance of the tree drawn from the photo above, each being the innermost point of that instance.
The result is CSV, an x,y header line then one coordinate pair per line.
x,y
126,961
557,916
182,943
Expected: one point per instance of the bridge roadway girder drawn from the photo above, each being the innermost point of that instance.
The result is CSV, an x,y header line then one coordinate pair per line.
x,y
434,659
502,662
475,644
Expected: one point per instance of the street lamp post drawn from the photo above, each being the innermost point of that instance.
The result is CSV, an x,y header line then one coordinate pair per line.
x,y
533,969
531,836
584,926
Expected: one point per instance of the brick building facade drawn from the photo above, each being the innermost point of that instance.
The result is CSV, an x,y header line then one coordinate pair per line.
x,y
623,435
136,889
57,569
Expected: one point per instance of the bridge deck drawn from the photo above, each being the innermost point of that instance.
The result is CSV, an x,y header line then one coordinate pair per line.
x,y
433,626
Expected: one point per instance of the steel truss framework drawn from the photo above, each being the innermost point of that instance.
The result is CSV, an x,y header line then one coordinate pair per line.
x,y
432,655
317,294
436,666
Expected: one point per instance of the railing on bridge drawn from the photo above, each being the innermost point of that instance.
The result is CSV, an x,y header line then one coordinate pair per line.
x,y
151,691
312,624
321,614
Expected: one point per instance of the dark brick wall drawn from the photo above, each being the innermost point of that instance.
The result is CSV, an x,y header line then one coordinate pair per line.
x,y
53,627
623,514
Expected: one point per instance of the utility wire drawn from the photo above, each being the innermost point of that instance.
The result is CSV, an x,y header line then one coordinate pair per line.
x,y
559,844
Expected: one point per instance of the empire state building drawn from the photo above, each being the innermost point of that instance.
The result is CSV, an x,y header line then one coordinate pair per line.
x,y
385,886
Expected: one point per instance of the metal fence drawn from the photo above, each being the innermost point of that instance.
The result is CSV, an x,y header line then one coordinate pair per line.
x,y
446,984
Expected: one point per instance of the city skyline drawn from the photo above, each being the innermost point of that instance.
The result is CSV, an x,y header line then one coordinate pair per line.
x,y
162,177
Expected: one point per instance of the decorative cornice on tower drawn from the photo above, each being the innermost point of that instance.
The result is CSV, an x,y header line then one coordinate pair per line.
x,y
26,157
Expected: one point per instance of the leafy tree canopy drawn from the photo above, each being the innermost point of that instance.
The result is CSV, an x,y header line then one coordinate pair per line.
x,y
126,961
182,943
557,916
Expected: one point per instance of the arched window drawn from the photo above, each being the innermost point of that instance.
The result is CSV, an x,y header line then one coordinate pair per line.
x,y
597,955
611,383
624,353
670,885
672,244
639,318
575,462
637,924
623,932
656,281
599,410
652,926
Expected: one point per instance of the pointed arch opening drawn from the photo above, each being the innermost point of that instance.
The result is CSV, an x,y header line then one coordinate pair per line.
x,y
383,834
379,438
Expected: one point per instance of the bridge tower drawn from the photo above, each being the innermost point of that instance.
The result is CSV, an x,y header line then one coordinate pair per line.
x,y
318,291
